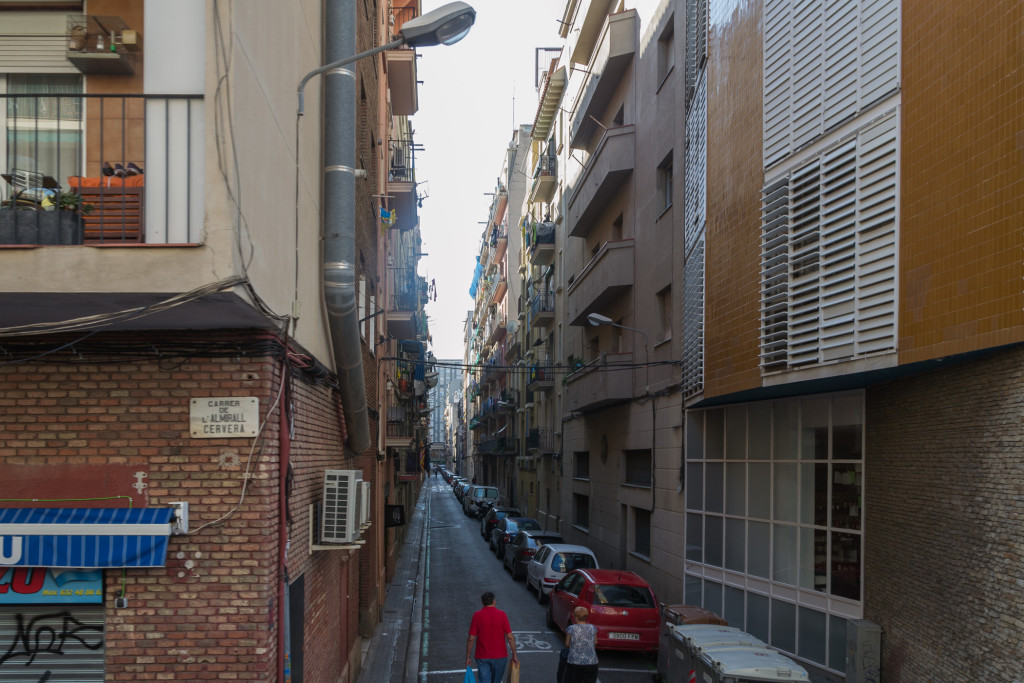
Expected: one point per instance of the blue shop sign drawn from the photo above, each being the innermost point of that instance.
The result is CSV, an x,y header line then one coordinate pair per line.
x,y
40,585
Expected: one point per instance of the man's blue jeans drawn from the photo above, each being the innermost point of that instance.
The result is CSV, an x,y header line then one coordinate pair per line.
x,y
491,670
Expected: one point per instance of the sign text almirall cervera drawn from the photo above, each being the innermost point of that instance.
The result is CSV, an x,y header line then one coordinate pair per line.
x,y
217,417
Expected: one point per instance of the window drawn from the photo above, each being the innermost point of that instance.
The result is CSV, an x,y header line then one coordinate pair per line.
x,y
44,130
665,312
642,532
638,468
361,300
581,463
666,50
774,491
665,183
581,507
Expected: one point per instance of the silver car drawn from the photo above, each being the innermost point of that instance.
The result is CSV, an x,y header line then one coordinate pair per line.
x,y
552,562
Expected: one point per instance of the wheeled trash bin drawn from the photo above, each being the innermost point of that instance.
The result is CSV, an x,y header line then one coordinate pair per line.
x,y
689,640
674,615
746,664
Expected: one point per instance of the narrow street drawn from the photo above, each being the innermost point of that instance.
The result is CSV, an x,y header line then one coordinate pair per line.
x,y
458,568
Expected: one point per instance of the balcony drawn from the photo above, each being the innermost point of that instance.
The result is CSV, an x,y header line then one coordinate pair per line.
x,y
542,440
541,377
608,276
541,240
399,431
402,183
401,67
545,178
499,243
605,381
495,330
159,135
402,303
608,169
499,287
614,54
542,309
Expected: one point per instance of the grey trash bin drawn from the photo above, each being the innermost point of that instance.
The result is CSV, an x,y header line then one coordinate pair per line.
x,y
746,663
688,641
673,615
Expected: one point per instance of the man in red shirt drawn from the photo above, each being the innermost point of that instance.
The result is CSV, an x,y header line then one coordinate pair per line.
x,y
489,632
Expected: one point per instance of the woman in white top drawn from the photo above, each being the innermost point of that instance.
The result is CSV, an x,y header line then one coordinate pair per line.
x,y
581,639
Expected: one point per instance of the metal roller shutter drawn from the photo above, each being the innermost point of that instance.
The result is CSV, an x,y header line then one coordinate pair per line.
x,y
52,643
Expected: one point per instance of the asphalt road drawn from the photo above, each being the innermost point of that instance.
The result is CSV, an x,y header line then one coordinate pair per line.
x,y
458,568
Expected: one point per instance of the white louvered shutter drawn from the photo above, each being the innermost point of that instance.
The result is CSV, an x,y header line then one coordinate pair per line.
x,y
824,62
695,178
693,322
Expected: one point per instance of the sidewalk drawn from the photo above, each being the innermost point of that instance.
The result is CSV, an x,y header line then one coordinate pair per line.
x,y
392,654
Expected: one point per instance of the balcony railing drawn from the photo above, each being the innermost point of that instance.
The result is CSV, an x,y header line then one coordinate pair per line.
x,y
135,162
541,440
542,308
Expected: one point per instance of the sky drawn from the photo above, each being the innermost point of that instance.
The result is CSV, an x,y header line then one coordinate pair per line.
x,y
472,96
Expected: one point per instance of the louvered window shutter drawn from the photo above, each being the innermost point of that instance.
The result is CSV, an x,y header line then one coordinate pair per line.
x,y
695,178
693,322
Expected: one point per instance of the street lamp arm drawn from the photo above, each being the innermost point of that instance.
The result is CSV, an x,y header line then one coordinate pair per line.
x,y
340,63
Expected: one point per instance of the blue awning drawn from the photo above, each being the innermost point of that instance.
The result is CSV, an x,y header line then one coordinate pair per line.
x,y
84,537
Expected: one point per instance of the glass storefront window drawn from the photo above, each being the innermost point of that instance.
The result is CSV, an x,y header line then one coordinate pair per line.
x,y
736,488
776,494
846,565
812,635
759,490
736,433
814,494
758,548
784,554
814,429
713,487
694,538
813,558
846,500
735,544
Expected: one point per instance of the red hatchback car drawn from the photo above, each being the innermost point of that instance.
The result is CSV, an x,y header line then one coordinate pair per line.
x,y
622,606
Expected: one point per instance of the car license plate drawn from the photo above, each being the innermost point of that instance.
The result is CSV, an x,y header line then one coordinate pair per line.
x,y
624,636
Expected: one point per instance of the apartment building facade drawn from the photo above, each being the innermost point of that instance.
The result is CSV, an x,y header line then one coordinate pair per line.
x,y
852,250
803,250
176,382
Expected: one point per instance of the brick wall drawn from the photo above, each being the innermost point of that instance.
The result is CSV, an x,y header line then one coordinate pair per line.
x,y
212,612
944,523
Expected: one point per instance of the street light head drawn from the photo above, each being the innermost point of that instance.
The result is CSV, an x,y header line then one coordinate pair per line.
x,y
445,25
596,319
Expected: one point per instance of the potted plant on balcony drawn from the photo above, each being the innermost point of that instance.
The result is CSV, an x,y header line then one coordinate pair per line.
x,y
57,220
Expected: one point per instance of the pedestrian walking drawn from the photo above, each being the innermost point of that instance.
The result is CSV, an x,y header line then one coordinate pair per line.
x,y
489,631
581,639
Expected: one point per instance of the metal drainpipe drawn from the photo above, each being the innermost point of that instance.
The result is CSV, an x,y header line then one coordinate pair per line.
x,y
339,246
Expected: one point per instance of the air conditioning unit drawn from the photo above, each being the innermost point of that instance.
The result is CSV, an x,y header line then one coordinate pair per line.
x,y
364,502
339,519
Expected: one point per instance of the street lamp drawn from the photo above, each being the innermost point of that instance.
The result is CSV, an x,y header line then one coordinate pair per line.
x,y
598,320
446,25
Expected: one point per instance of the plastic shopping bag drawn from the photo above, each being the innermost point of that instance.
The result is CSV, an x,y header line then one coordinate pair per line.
x,y
470,678
513,672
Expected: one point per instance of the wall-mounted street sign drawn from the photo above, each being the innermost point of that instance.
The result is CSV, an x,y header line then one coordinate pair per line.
x,y
217,417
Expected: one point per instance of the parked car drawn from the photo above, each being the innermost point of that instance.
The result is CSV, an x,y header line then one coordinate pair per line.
x,y
493,516
521,550
554,561
477,496
461,489
505,531
621,604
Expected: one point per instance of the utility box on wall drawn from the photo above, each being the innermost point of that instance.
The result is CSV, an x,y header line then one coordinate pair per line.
x,y
863,651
